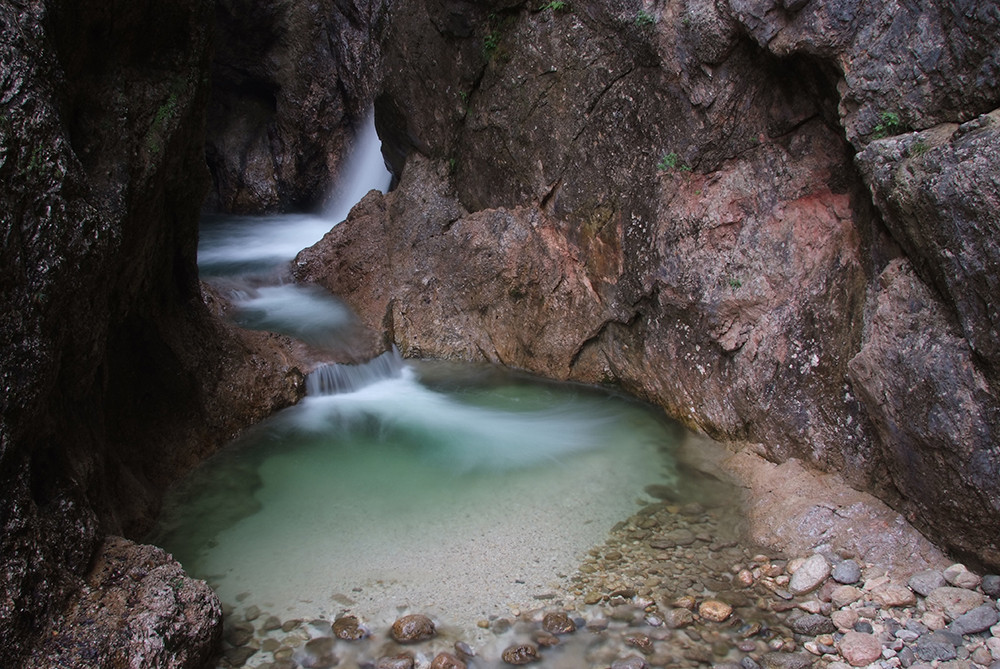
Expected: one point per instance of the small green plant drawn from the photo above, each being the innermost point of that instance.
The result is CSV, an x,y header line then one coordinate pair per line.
x,y
452,165
686,21
490,43
463,96
672,161
734,283
919,148
644,19
888,124
555,6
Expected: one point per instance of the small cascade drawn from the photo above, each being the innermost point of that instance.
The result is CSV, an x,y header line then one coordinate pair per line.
x,y
336,378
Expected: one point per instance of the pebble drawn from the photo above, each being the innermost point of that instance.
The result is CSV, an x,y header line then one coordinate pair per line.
x,y
991,585
413,628
402,661
844,595
809,575
953,602
860,649
977,620
524,653
813,625
630,662
960,577
925,582
348,628
715,610
447,661
558,622
847,572
894,595
676,618
844,620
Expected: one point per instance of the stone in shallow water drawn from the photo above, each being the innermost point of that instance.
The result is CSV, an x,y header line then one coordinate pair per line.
x,y
239,634
714,610
524,653
447,661
318,654
630,662
810,575
786,660
402,661
675,618
349,628
237,657
558,622
413,628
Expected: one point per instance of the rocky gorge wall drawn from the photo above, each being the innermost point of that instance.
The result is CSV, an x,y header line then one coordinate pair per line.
x,y
116,379
776,220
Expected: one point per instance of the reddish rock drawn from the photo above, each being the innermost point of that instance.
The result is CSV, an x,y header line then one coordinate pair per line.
x,y
413,628
349,628
446,661
860,649
558,622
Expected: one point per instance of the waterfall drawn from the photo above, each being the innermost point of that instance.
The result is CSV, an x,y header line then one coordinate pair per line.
x,y
364,170
336,378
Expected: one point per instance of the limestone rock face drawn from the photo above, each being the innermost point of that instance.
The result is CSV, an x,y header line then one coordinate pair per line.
x,y
104,340
671,203
290,81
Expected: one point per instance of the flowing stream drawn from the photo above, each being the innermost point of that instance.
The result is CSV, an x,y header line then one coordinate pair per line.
x,y
457,491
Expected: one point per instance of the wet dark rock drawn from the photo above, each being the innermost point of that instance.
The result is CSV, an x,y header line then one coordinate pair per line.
x,y
239,633
464,650
446,661
349,628
520,654
640,641
786,661
413,628
558,622
237,657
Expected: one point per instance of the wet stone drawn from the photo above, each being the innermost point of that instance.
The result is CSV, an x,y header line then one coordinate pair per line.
x,y
271,623
675,618
545,639
786,661
641,642
413,628
348,628
630,662
239,634
252,613
402,661
524,653
289,625
237,657
715,610
318,654
446,661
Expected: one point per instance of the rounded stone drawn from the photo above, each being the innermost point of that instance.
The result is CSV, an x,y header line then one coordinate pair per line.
x,y
893,594
960,577
844,595
860,649
348,628
523,653
953,602
977,620
446,661
413,628
402,661
558,622
991,585
675,618
810,575
813,625
630,662
847,572
715,610
925,582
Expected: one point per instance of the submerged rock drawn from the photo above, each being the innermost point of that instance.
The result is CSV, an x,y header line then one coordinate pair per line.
x,y
520,654
349,628
558,622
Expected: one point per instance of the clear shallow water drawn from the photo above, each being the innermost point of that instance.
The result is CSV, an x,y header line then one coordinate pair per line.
x,y
456,496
